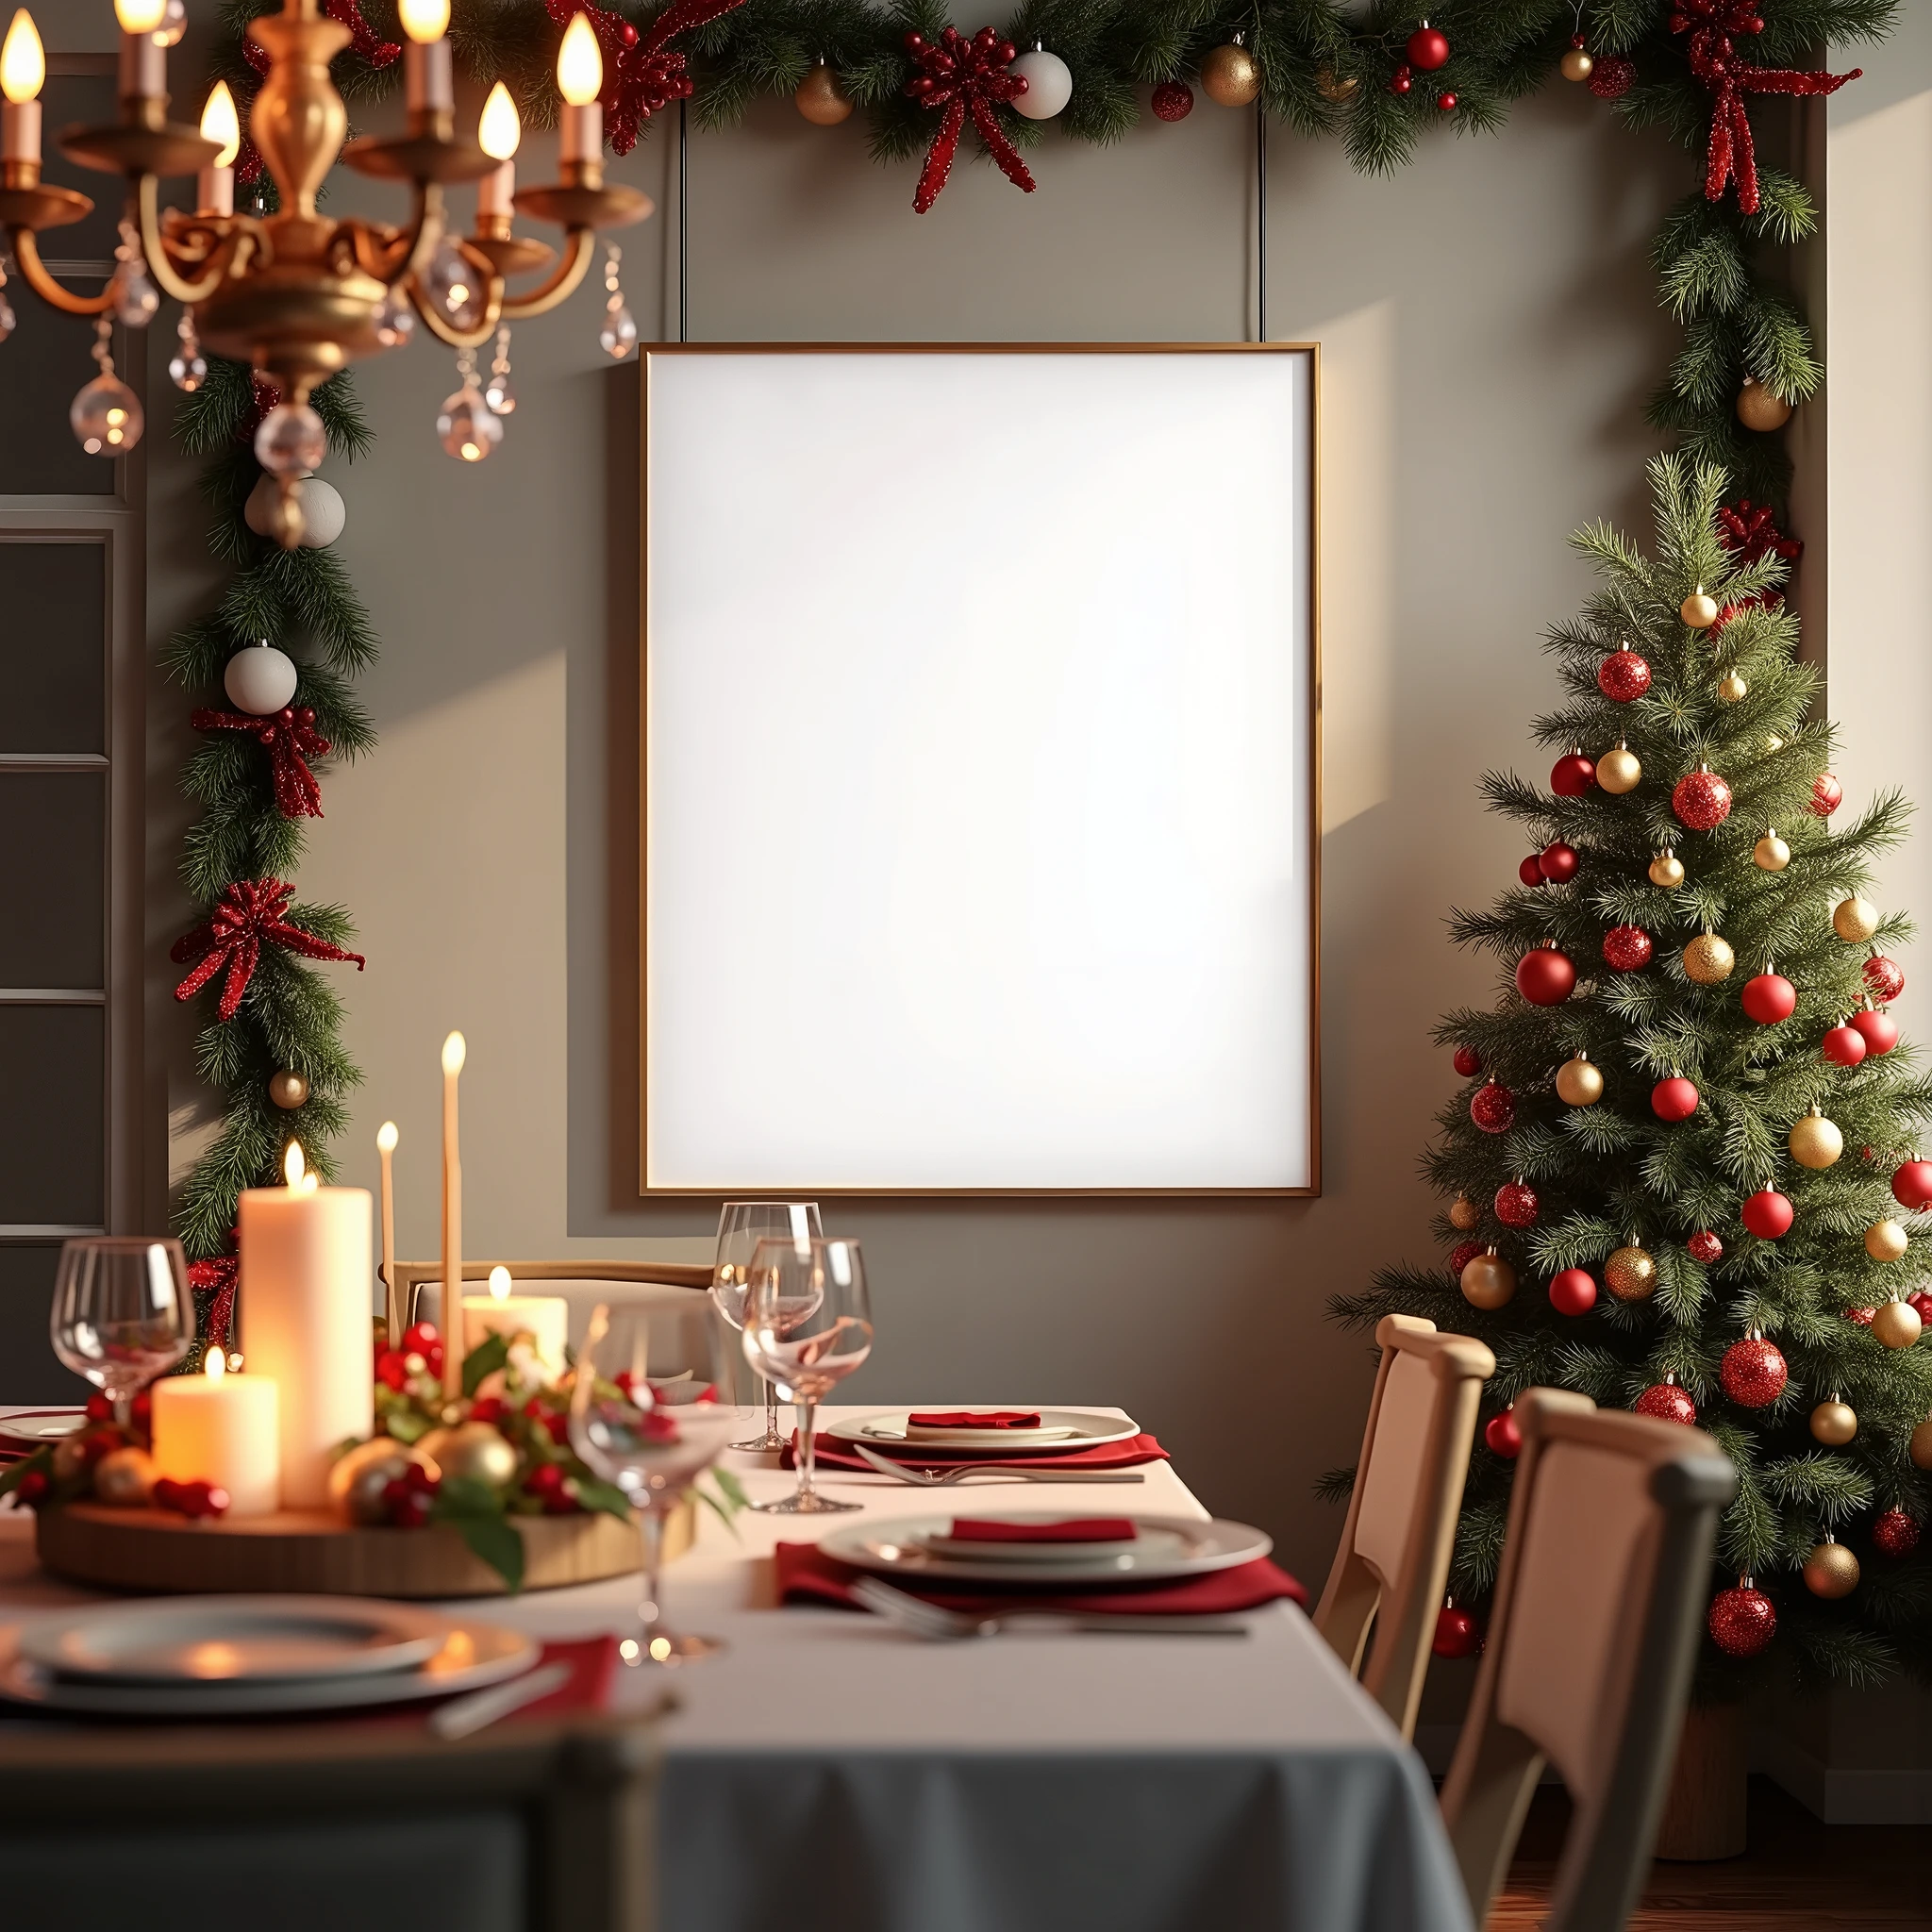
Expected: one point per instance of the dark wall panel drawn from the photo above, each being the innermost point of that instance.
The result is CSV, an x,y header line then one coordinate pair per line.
x,y
34,1373
53,872
53,1139
53,664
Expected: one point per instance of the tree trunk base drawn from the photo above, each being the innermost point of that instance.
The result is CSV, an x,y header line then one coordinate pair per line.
x,y
1703,1814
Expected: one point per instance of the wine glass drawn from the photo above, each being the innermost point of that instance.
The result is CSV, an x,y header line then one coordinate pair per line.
x,y
742,1224
807,1324
122,1312
644,1414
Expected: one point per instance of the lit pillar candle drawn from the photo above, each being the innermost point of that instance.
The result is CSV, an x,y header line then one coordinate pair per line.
x,y
498,133
394,1311
214,187
579,80
544,1318
427,84
453,1054
23,71
305,1314
223,1429
144,59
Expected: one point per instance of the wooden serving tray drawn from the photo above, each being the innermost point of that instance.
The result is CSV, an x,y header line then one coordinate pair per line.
x,y
311,1552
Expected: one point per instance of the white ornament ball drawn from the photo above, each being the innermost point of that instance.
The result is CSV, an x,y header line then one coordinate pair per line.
x,y
259,680
323,514
1049,84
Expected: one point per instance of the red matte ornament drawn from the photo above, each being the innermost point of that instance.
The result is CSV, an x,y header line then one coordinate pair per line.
x,y
1558,863
1700,800
1843,1046
1667,1403
1878,1030
1921,1306
1456,1635
1573,774
1546,978
1911,1184
1769,998
248,915
1885,979
1445,104
1674,1099
1742,1621
1174,100
1895,1534
1493,1108
957,77
1530,871
1626,948
1706,1247
1468,1062
1572,1292
1516,1205
1623,675
1753,1371
1827,794
1504,1436
1767,1214
1428,48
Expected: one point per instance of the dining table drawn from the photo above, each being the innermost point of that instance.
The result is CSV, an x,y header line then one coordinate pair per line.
x,y
829,1772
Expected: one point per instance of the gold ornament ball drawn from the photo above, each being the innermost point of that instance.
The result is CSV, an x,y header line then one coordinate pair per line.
x,y
1463,1215
1630,1274
1230,76
288,1089
1731,687
1855,919
1833,1423
820,99
1896,1324
1831,1570
1708,960
1576,64
124,1477
472,1449
1667,870
358,1476
1617,770
1885,1241
1757,408
1333,87
1578,1083
1920,1447
1488,1281
1771,854
1814,1142
1698,609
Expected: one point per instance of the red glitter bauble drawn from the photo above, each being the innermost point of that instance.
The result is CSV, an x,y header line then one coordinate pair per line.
x,y
1668,1404
1531,872
1546,976
1557,861
1516,1205
1706,1247
1493,1108
1911,1184
1742,1621
1700,800
1504,1436
1455,1634
1753,1371
1769,998
1445,104
1612,77
1827,794
1860,1318
1174,100
1626,948
1878,1030
1462,1255
1885,979
1767,1214
1843,1046
1674,1099
1571,775
1572,1292
1623,675
1428,48
1468,1062
1895,1534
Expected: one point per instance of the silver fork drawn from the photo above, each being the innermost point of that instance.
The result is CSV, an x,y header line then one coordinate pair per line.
x,y
1008,1472
918,1617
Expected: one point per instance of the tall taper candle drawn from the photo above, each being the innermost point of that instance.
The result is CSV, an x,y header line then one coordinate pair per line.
x,y
22,72
450,1320
394,1314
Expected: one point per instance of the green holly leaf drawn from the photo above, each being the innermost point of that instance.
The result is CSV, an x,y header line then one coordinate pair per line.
x,y
594,1493
484,1359
475,1512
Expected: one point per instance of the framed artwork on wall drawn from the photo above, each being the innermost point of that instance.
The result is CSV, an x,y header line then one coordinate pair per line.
x,y
980,770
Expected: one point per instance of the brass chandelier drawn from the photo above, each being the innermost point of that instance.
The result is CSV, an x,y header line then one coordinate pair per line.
x,y
297,295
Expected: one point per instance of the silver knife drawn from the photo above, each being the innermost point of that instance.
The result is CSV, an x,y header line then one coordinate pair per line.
x,y
462,1717
1013,1472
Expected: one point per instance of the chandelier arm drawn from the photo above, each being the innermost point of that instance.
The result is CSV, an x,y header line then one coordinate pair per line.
x,y
27,257
563,282
224,257
444,330
426,231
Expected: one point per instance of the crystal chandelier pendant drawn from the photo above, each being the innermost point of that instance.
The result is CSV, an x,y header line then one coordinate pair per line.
x,y
187,369
455,286
395,321
8,320
292,440
619,334
468,428
497,392
173,25
136,298
106,415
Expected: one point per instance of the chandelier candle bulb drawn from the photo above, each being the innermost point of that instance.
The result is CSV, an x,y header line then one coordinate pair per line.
x,y
428,88
144,59
394,1314
220,1428
22,72
498,134
214,187
544,1318
454,1053
304,1301
579,80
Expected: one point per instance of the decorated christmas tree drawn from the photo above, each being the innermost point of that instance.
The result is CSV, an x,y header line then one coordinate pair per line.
x,y
1682,1174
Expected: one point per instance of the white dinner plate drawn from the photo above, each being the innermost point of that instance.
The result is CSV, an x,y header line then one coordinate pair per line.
x,y
28,1429
472,1654
1166,1546
1061,1430
977,1550
207,1640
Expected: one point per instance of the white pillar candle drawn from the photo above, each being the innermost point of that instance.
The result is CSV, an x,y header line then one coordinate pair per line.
x,y
305,1314
222,1429
453,1054
546,1318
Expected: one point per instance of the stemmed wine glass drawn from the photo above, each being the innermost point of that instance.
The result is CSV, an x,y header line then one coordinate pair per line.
x,y
742,1224
807,1324
644,1414
122,1312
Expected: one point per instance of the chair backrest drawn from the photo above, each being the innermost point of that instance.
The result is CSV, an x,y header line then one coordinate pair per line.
x,y
581,1283
1593,1637
1394,1553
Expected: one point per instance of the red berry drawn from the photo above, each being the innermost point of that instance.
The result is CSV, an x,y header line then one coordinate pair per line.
x,y
1468,1062
32,1487
1878,1029
421,1339
544,1477
1668,1404
489,1409
1546,978
1457,1634
1674,1099
1843,1046
1628,948
1767,1214
1401,83
1769,998
1558,863
1571,775
1504,1436
391,1368
1516,1205
1446,103
1827,794
1530,871
1706,1247
100,1407
1885,979
1428,48
1572,1292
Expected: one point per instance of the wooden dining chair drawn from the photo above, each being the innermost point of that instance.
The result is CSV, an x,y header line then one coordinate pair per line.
x,y
1591,1641
1393,1558
583,1283
531,1827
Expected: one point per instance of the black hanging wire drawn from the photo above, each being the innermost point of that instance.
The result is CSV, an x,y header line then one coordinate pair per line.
x,y
1260,221
683,222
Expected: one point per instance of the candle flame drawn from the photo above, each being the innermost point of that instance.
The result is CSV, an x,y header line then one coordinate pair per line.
x,y
453,1050
293,1165
217,1365
140,16
425,21
499,1283
499,131
22,60
386,1138
219,122
579,64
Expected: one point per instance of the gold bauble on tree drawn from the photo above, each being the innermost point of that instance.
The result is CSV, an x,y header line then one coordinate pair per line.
x,y
470,1449
1576,64
1885,1241
1667,870
1815,1141
1699,610
1731,687
124,1477
1896,1324
288,1089
1487,1280
820,99
1630,1273
1771,853
1759,409
1708,960
1833,1423
1855,919
359,1477
1617,770
1920,1447
1463,1215
1230,76
1831,1570
1578,1083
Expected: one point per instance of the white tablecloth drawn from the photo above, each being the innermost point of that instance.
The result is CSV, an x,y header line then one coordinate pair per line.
x,y
829,1773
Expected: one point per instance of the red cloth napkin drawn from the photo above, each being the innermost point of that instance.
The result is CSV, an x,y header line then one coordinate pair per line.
x,y
968,1419
831,1453
805,1575
593,1662
1076,1529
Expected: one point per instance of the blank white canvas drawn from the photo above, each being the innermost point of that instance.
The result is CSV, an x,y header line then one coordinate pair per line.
x,y
977,744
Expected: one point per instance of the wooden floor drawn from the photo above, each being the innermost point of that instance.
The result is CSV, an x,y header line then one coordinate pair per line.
x,y
1798,1875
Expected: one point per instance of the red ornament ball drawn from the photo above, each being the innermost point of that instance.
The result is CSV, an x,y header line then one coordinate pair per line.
x,y
1571,775
1827,794
1878,1030
1668,1404
1516,1205
1753,1371
1612,77
1546,976
1742,1621
1674,1099
1885,979
1769,998
1468,1062
1860,1318
1767,1214
1921,1306
1455,1634
1557,861
1572,1292
1504,1436
1462,1254
1623,676
1399,82
1531,872
1626,948
1700,800
1445,104
1174,100
1894,1534
1428,48
1493,1108
1911,1184
1706,1247
1843,1046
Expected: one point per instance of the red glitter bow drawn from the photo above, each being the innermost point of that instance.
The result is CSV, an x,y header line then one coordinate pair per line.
x,y
1715,62
640,73
960,77
1750,532
291,741
246,915
218,1277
